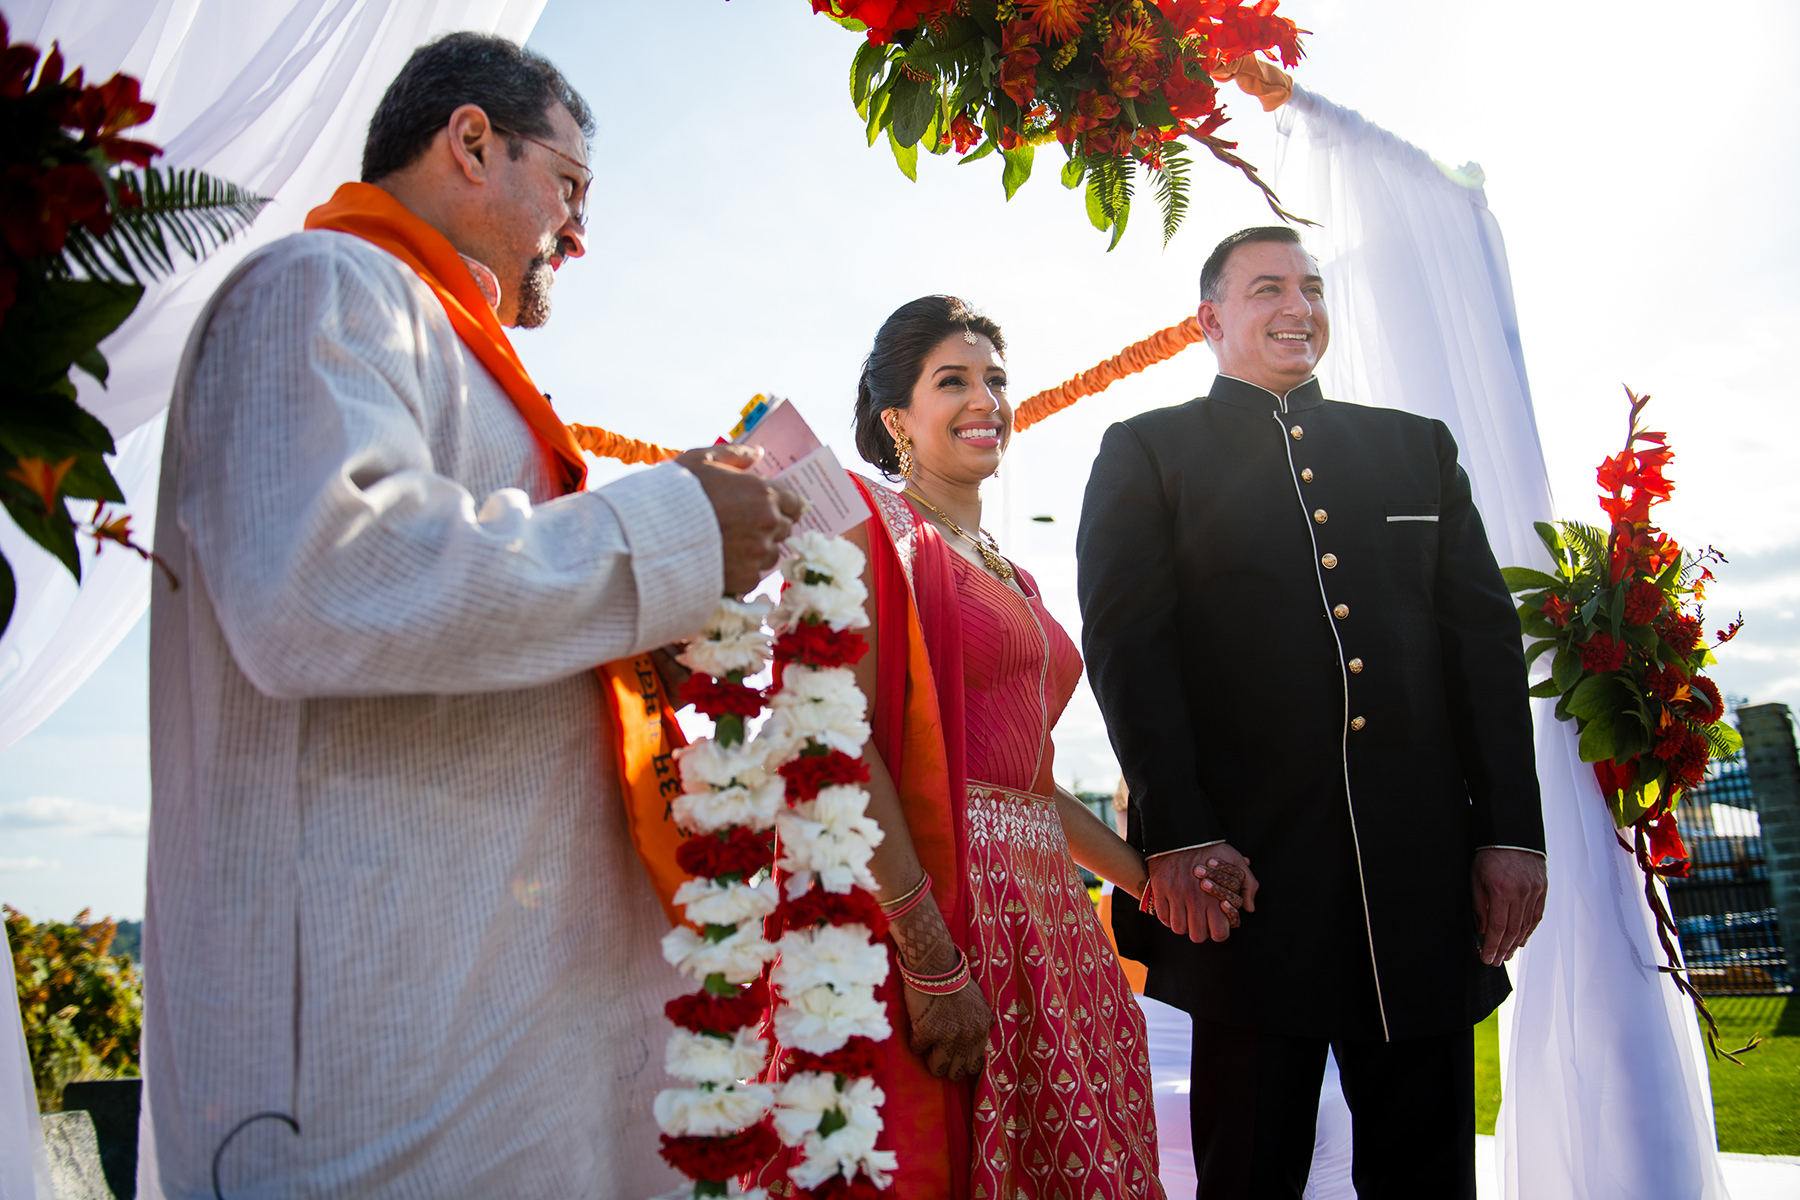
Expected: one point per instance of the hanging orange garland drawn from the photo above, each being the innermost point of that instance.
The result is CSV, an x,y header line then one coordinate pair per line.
x,y
608,444
1164,343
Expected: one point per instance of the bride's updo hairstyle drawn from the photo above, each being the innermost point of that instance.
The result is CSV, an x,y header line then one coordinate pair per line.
x,y
894,365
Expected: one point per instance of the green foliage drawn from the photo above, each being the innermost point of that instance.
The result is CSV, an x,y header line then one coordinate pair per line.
x,y
81,1005
182,212
983,77
1756,1106
83,235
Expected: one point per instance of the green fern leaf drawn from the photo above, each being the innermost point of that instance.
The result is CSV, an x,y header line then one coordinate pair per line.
x,y
1172,187
196,212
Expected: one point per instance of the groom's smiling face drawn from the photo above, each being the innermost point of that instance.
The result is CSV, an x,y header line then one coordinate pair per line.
x,y
1268,326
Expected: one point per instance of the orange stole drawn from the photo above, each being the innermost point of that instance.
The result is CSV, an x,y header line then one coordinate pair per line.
x,y
645,738
375,216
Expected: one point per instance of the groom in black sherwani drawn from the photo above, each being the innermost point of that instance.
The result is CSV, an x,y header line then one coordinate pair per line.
x,y
1311,670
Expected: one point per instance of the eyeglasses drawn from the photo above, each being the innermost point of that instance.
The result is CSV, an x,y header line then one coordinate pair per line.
x,y
578,201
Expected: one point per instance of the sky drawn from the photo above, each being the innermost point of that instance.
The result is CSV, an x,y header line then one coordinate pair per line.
x,y
743,239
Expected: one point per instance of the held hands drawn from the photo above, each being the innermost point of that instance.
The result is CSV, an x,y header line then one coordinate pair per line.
x,y
1509,888
949,1032
1202,893
755,516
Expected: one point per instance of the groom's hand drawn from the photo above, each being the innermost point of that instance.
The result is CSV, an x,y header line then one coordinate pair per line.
x,y
1509,888
755,516
1197,892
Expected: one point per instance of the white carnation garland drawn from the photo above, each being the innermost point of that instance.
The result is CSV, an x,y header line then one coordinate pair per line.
x,y
829,962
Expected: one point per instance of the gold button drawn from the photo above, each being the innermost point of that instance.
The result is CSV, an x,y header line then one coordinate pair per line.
x,y
1357,722
1329,561
1306,475
1297,432
1355,666
1319,516
1341,611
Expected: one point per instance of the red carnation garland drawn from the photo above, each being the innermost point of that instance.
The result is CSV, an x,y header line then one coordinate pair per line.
x,y
811,774
1626,664
716,1128
828,1018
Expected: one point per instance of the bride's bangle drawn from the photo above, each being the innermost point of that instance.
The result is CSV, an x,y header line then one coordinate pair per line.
x,y
1145,903
899,906
949,983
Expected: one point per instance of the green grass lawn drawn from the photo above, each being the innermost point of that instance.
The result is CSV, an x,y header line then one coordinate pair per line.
x,y
1756,1107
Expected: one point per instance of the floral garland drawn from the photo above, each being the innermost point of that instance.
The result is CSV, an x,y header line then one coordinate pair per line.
x,y
1621,618
717,1128
801,778
1116,82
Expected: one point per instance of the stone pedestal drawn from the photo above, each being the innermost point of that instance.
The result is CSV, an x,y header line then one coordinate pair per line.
x,y
1774,765
113,1104
74,1157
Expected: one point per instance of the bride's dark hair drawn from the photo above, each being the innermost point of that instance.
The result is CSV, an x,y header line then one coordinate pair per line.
x,y
893,366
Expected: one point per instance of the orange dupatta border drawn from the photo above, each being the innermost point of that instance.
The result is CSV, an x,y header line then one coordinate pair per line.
x,y
917,726
643,733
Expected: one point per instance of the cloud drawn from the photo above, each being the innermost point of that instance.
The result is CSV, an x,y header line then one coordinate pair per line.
x,y
79,818
29,864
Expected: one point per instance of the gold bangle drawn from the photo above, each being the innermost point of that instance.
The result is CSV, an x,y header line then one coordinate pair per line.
x,y
902,903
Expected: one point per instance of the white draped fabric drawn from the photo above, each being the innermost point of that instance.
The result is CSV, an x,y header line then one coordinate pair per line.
x,y
273,95
1606,1093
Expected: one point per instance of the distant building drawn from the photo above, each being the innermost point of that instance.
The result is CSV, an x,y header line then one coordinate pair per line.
x,y
1724,909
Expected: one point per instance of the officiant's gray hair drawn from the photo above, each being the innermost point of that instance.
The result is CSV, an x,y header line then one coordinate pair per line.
x,y
1213,272
511,84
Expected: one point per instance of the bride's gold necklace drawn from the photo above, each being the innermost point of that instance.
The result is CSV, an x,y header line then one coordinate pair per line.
x,y
989,549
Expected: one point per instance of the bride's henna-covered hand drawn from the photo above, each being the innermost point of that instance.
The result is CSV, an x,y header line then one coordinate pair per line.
x,y
949,1032
1224,882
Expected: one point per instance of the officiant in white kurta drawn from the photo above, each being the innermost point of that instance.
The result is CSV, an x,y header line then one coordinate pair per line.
x,y
392,896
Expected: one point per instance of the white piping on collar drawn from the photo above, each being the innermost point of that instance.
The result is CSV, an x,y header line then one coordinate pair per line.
x,y
1280,397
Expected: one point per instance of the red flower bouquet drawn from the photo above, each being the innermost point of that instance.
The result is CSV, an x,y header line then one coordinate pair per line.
x,y
84,222
1619,616
1117,83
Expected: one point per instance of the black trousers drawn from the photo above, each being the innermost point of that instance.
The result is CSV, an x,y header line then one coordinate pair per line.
x,y
1254,1104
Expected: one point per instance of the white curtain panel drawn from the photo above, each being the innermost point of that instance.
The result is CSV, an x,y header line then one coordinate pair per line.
x,y
1606,1093
274,95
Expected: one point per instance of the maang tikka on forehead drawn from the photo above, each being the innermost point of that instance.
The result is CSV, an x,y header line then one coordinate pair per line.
x,y
969,335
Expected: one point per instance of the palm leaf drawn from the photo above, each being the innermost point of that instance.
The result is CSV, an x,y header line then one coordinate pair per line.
x,y
181,211
1172,189
1589,542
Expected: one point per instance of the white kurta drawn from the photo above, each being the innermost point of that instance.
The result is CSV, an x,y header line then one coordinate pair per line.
x,y
391,891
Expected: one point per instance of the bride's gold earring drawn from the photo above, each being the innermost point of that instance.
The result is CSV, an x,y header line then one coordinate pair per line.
x,y
903,450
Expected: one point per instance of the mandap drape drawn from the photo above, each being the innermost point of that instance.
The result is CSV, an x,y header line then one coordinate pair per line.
x,y
274,95
1606,1093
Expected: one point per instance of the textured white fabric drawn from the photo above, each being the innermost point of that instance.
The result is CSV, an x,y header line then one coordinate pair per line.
x,y
1605,1092
274,95
391,890
24,1165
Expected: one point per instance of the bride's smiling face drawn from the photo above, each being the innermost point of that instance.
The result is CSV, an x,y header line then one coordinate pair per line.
x,y
959,419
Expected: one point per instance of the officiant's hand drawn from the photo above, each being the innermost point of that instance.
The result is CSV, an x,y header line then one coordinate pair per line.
x,y
1201,893
755,516
1509,888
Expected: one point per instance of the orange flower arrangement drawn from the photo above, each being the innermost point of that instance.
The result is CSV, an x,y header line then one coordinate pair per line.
x,y
1117,83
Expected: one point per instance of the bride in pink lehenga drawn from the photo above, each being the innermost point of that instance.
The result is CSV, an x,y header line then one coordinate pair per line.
x,y
1019,1068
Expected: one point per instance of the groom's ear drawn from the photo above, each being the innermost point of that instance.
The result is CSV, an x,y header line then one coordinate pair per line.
x,y
1210,324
